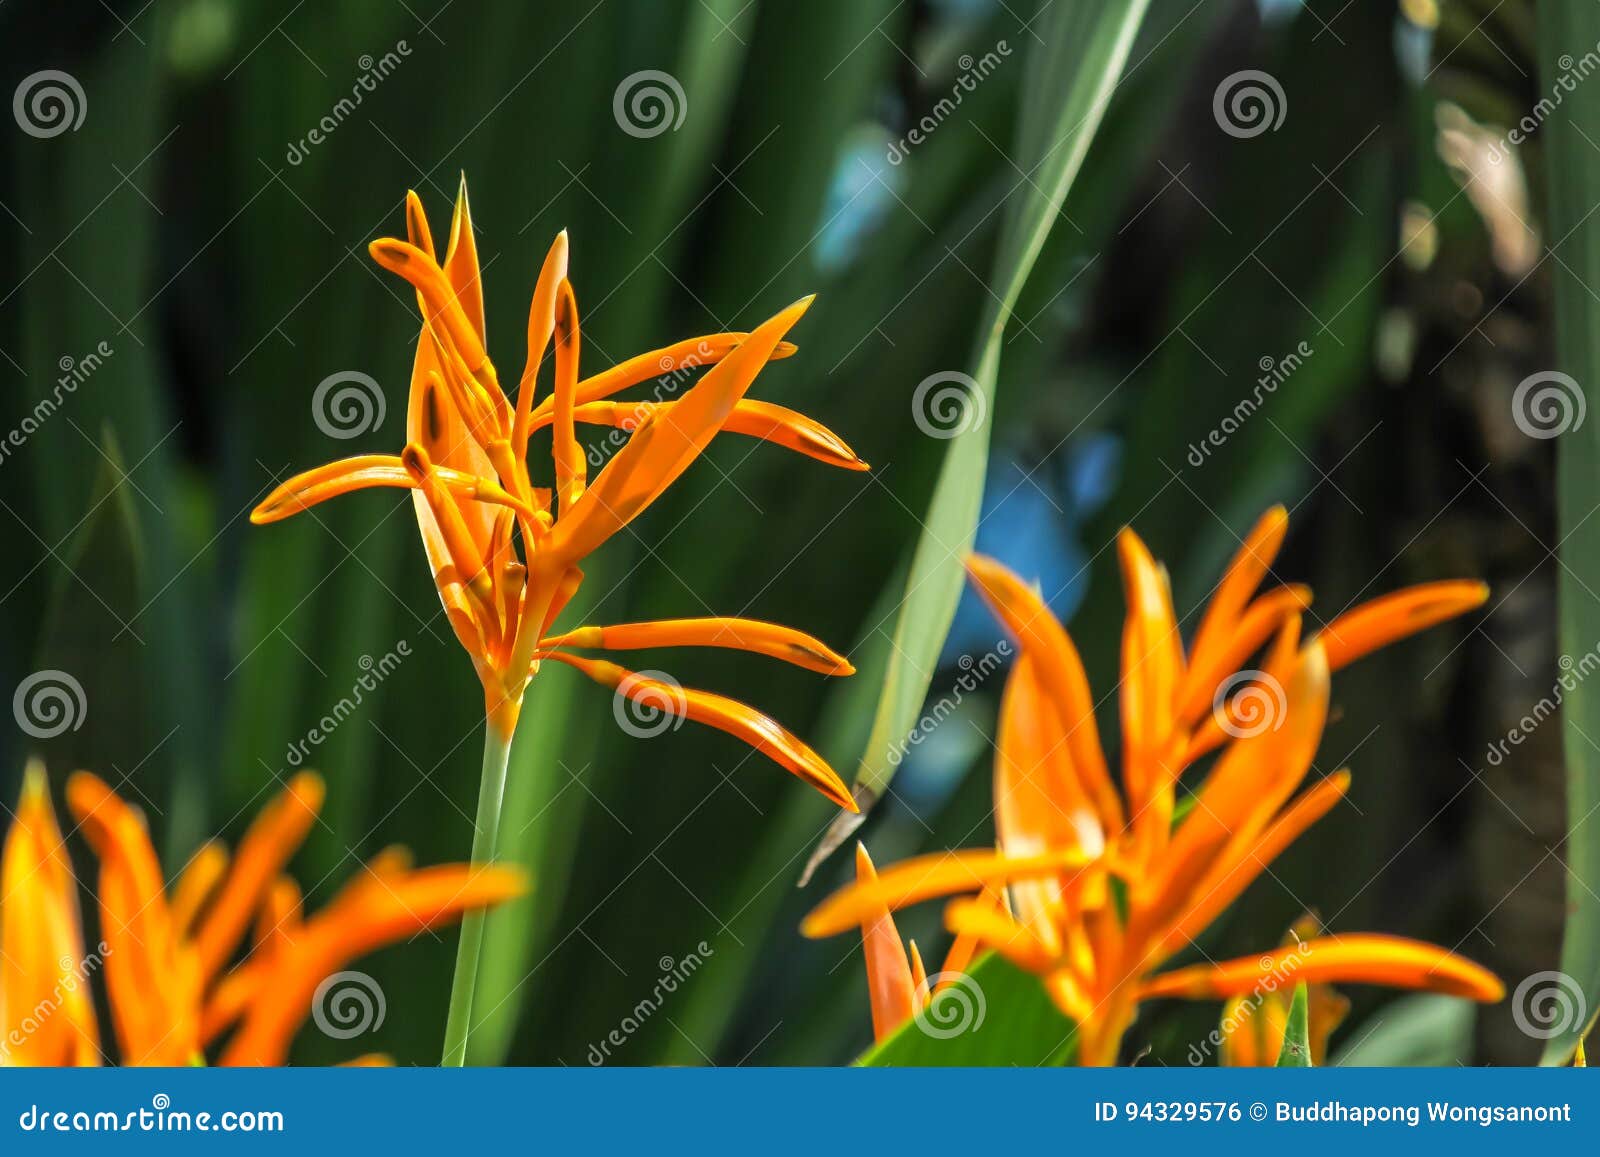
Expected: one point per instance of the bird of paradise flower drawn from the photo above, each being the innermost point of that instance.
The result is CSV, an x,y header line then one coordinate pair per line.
x,y
506,555
168,960
1105,886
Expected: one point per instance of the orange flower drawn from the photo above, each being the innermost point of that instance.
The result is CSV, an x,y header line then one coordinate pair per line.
x,y
168,961
506,555
1253,1027
1106,885
897,983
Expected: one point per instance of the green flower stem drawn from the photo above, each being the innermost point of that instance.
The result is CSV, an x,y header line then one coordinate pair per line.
x,y
491,794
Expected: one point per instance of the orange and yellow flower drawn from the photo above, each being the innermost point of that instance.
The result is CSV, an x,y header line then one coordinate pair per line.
x,y
176,984
1106,885
506,555
1253,1026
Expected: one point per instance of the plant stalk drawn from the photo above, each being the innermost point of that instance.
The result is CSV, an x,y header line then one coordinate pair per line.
x,y
498,730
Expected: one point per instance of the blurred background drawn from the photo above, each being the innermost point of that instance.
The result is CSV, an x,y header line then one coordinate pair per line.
x,y
191,257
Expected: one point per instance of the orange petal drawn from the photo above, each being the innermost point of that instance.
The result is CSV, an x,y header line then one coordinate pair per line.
x,y
746,723
1393,617
307,489
776,424
1255,775
1040,805
370,912
444,312
662,449
1253,1028
1152,667
417,231
1229,705
926,877
680,358
965,945
541,325
278,921
770,639
572,466
46,1014
273,838
1208,670
153,984
197,884
464,551
1238,866
461,263
1363,958
992,928
1239,582
890,983
1030,622
919,974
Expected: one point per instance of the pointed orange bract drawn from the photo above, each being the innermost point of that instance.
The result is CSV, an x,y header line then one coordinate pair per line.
x,y
1066,835
507,555
171,976
46,1015
897,981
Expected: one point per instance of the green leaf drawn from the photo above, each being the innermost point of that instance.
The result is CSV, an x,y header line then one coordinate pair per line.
x,y
1573,173
1424,1030
1070,81
1296,1050
995,1014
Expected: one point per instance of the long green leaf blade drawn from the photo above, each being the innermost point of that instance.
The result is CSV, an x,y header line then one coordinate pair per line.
x,y
1075,71
1573,173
